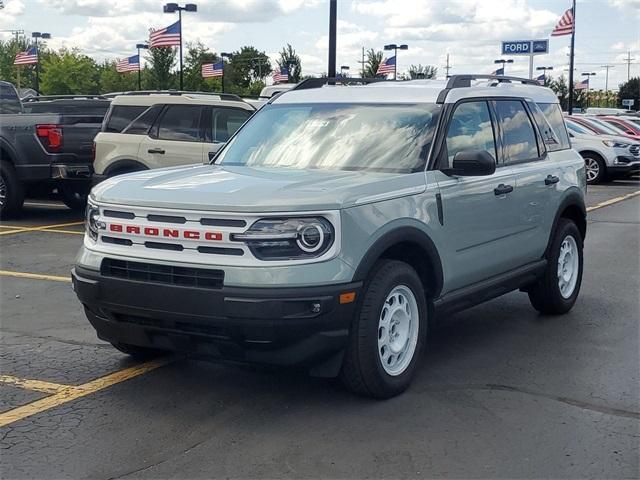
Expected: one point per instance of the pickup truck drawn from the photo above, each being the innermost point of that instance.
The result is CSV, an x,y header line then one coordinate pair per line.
x,y
45,152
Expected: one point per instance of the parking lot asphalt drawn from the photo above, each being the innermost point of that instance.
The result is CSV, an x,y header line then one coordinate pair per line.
x,y
502,393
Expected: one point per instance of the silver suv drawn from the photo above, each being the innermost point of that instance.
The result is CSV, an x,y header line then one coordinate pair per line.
x,y
337,224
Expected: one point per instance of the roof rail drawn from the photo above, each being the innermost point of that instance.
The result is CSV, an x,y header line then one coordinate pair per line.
x,y
223,96
319,82
461,81
64,97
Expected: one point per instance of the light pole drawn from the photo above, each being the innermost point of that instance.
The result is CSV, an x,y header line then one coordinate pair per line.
x,y
503,62
544,72
224,55
588,75
395,48
172,8
36,36
141,46
606,78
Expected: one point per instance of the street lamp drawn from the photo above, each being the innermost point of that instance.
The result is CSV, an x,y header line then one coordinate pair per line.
x,y
544,72
395,48
503,62
172,8
588,75
140,46
224,55
36,36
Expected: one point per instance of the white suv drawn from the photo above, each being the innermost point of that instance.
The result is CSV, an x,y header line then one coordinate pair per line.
x,y
142,132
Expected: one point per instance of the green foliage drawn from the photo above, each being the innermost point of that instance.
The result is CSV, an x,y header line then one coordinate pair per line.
x,y
112,81
290,59
246,70
160,77
374,58
630,89
8,71
421,72
197,54
67,72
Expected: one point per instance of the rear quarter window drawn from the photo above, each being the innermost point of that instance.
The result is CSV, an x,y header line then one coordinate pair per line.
x,y
120,116
553,118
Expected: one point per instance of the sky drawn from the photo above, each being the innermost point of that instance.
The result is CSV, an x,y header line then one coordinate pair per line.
x,y
470,31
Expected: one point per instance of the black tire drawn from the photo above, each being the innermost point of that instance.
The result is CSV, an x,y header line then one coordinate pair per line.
x,y
139,353
75,196
595,166
546,296
362,370
11,191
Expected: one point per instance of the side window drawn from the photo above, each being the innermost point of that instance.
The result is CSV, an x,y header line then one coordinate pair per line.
x,y
553,118
180,123
470,129
9,101
121,116
225,122
142,124
519,137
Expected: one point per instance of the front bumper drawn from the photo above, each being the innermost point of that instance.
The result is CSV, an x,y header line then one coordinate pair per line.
x,y
301,326
625,166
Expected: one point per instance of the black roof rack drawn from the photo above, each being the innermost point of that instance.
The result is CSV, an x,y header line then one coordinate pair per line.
x,y
64,97
319,82
223,96
461,81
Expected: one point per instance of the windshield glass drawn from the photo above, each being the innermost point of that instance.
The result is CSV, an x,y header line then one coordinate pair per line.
x,y
384,138
575,128
603,127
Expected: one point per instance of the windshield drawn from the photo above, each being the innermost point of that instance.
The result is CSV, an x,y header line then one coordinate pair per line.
x,y
603,127
384,138
575,128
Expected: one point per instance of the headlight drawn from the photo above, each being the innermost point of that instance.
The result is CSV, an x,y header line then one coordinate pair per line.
x,y
91,222
288,238
614,144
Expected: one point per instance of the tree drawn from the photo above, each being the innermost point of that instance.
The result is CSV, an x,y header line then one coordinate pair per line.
x,y
630,89
374,59
245,72
9,72
109,80
68,72
561,89
420,71
290,59
161,61
197,54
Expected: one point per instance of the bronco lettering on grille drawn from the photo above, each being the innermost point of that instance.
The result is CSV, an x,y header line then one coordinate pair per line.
x,y
165,232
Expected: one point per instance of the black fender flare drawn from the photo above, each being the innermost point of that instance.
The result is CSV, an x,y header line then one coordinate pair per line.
x,y
573,197
399,235
11,152
134,165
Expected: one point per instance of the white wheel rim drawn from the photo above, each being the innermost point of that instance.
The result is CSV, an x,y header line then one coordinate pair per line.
x,y
593,168
568,266
398,330
3,191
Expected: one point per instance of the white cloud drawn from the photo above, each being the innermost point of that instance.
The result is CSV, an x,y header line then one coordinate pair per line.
x,y
625,4
9,14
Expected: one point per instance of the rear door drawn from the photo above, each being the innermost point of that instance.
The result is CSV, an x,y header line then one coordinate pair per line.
x,y
220,123
479,215
177,138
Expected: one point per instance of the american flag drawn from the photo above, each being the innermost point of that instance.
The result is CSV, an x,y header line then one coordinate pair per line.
x,y
583,85
565,24
499,71
129,64
388,65
281,76
165,37
541,79
212,69
27,58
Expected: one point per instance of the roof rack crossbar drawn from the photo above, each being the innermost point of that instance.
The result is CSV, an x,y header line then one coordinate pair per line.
x,y
320,82
223,96
64,97
461,81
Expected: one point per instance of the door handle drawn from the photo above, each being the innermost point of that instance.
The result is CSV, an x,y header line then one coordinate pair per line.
x,y
551,179
503,189
156,150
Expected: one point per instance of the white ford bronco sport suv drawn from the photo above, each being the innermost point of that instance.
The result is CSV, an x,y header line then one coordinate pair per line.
x,y
143,131
337,223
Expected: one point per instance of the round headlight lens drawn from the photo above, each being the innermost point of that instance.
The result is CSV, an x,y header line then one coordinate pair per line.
x,y
310,238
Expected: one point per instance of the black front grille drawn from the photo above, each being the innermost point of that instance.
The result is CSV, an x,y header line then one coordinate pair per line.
x,y
164,274
635,150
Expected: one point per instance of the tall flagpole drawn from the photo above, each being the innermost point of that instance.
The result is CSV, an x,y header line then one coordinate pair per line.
x,y
573,41
180,21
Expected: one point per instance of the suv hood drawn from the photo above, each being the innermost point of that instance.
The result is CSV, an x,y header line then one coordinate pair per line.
x,y
245,189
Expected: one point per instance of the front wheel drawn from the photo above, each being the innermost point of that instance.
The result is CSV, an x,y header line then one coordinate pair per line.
x,y
557,291
388,334
596,169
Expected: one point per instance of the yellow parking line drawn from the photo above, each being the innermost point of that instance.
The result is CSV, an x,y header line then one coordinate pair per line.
x,y
34,276
41,228
613,201
63,231
71,393
35,385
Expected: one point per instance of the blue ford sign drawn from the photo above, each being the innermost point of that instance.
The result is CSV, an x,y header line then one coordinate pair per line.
x,y
520,47
540,46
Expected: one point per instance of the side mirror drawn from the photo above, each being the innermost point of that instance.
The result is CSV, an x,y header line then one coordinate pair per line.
x,y
472,163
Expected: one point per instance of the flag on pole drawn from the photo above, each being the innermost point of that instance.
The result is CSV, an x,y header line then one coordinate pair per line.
x,y
165,37
129,64
387,66
281,76
565,24
541,79
212,69
583,85
499,71
28,57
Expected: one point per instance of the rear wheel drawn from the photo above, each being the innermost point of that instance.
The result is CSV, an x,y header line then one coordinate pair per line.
x,y
557,291
388,334
139,353
596,168
11,191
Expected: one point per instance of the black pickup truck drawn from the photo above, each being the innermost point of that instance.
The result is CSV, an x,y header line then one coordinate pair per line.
x,y
46,148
